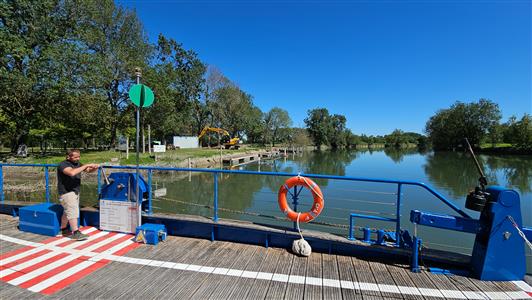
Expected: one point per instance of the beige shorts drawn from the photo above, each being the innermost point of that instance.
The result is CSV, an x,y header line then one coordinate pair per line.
x,y
70,203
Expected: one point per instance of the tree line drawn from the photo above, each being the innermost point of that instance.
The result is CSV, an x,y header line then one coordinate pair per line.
x,y
66,68
331,130
480,122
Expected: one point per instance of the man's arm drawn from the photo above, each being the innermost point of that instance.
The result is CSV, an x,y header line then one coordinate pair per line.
x,y
69,171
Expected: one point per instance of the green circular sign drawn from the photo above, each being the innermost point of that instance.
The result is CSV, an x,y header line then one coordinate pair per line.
x,y
141,95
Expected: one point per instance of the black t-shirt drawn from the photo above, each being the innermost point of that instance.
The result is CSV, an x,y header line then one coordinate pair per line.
x,y
65,183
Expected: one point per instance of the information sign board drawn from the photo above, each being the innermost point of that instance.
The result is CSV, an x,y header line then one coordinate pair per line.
x,y
121,216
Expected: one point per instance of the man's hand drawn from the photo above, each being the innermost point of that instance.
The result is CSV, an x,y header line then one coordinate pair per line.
x,y
91,168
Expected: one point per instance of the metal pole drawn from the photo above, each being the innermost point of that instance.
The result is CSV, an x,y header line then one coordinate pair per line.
x,y
294,202
414,264
99,183
398,217
215,217
149,139
1,184
137,73
351,237
150,175
47,184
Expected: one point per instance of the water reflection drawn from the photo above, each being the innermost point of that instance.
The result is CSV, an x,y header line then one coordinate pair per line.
x,y
397,154
457,172
517,170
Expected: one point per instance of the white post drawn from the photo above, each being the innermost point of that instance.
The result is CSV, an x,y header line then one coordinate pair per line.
x,y
127,147
190,167
149,138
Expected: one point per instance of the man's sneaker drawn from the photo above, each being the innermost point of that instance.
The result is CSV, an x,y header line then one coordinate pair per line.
x,y
65,232
78,236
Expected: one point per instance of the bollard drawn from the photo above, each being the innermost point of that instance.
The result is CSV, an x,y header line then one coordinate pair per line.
x,y
367,235
380,237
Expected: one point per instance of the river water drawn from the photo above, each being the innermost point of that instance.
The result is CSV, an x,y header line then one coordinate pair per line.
x,y
254,198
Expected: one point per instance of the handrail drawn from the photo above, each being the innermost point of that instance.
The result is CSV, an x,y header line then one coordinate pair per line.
x,y
320,176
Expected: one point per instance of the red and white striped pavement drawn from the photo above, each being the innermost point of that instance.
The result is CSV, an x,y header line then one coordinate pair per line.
x,y
53,264
49,266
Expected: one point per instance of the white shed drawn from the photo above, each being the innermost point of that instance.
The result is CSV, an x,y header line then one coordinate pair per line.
x,y
186,142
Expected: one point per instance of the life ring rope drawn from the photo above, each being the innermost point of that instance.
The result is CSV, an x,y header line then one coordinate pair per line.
x,y
310,185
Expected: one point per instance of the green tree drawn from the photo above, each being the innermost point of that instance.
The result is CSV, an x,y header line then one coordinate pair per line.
x,y
519,132
276,120
318,126
395,139
176,77
28,30
338,133
114,38
448,127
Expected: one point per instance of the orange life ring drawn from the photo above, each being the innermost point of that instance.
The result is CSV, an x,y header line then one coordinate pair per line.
x,y
317,206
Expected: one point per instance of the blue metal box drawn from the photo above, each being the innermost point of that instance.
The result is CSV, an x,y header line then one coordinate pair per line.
x,y
42,218
150,233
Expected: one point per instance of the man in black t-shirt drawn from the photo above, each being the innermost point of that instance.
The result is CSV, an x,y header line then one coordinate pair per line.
x,y
68,187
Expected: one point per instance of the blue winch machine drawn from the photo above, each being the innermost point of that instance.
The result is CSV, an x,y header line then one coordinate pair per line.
x,y
499,249
120,186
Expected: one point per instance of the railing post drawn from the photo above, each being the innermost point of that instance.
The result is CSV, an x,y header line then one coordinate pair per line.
x,y
150,174
398,217
294,202
215,217
414,264
99,182
1,184
351,237
47,184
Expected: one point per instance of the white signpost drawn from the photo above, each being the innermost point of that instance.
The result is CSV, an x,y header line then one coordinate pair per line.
x,y
159,148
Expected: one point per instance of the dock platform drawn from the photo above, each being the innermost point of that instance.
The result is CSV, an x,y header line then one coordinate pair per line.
x,y
189,268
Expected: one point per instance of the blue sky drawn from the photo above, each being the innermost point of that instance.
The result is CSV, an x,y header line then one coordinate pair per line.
x,y
382,64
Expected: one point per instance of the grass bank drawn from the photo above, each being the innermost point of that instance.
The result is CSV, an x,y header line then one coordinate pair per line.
x,y
170,157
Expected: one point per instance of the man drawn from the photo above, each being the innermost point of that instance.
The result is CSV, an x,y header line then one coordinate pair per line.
x,y
68,187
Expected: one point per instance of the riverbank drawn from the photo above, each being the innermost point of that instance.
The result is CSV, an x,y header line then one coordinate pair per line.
x,y
181,158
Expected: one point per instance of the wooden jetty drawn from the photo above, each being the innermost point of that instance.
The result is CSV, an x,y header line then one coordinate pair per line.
x,y
242,159
189,268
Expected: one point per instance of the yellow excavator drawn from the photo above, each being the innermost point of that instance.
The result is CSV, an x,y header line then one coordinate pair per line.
x,y
232,143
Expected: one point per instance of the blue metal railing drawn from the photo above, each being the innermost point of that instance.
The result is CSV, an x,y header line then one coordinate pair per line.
x,y
216,172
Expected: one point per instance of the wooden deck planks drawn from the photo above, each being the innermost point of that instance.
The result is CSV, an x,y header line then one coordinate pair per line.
x,y
259,288
244,284
298,273
130,274
330,271
399,274
369,288
425,285
314,269
383,277
116,277
188,282
151,282
347,273
226,284
277,289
